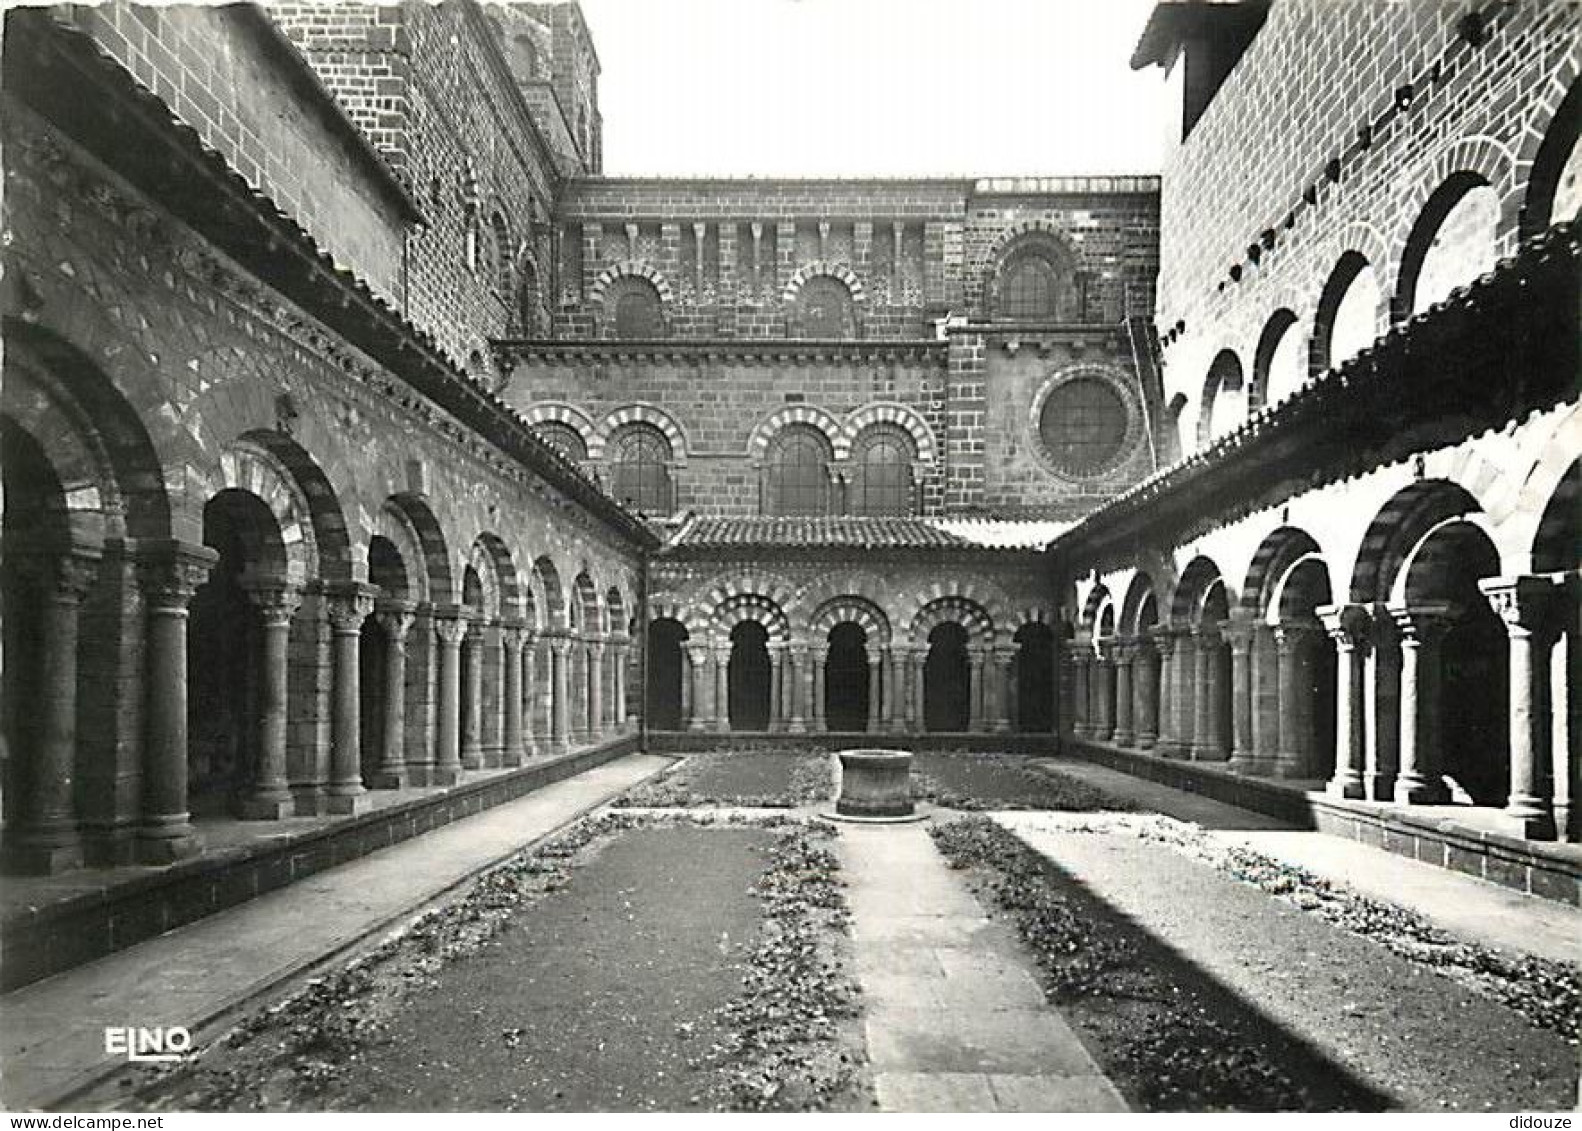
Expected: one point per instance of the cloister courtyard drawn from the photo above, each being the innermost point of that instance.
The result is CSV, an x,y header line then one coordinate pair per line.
x,y
692,933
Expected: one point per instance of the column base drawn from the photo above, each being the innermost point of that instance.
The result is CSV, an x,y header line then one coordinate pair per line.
x,y
1409,791
109,847
420,775
268,808
559,746
1288,766
1528,821
1202,753
472,761
1000,726
307,800
1123,737
1146,741
1250,764
445,776
167,846
350,804
1347,788
796,726
699,725
1379,787
390,779
43,859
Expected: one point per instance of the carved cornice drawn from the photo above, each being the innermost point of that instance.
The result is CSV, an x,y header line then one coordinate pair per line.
x,y
763,351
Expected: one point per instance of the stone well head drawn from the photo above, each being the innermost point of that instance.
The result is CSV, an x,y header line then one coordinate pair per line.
x,y
875,783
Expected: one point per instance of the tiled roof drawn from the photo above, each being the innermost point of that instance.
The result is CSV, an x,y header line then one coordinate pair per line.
x,y
701,533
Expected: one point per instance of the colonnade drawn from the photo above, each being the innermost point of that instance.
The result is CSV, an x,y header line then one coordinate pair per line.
x,y
525,693
1246,692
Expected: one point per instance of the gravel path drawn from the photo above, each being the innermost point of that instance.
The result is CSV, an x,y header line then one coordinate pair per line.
x,y
1410,1034
600,998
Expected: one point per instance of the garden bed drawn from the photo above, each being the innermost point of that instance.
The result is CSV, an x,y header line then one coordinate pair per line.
x,y
751,779
632,963
1170,1038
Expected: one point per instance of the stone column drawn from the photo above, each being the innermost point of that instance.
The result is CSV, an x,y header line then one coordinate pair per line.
x,y
1529,608
975,689
1165,640
491,734
1208,724
595,690
1238,631
1101,688
1000,721
820,721
514,636
169,574
1081,657
48,840
1125,733
776,687
722,688
422,663
395,621
1184,694
529,693
1350,627
799,675
875,691
1145,678
1293,641
895,691
1382,707
577,691
349,606
472,716
1264,657
270,797
450,627
559,692
916,659
1422,630
621,650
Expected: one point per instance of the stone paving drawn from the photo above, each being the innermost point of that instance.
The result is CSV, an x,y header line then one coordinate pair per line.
x,y
955,1019
51,1032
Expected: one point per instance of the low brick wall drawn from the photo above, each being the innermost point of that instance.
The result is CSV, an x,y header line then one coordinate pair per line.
x,y
45,940
695,742
1548,871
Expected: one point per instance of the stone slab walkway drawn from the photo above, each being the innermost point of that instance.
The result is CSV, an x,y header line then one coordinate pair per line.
x,y
1465,906
955,1019
52,1032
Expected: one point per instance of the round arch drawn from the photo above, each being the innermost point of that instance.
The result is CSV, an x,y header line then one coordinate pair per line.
x,y
837,271
969,614
856,610
900,415
640,412
811,415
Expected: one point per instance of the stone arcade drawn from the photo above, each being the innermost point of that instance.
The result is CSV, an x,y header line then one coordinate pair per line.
x,y
367,451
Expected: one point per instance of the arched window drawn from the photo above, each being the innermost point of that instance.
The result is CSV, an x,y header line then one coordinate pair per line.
x,y
1224,403
640,477
824,308
1029,288
882,472
1454,241
796,480
559,434
1083,425
529,315
637,309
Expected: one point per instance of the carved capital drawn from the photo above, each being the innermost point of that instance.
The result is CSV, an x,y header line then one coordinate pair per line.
x,y
1528,605
1237,631
1424,624
276,601
451,625
170,572
1349,626
64,576
349,605
394,619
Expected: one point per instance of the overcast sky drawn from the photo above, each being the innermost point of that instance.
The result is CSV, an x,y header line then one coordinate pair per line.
x,y
875,87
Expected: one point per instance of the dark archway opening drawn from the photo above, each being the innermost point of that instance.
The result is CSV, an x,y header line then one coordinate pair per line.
x,y
32,516
947,679
846,678
748,679
1475,732
1035,679
223,637
665,637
